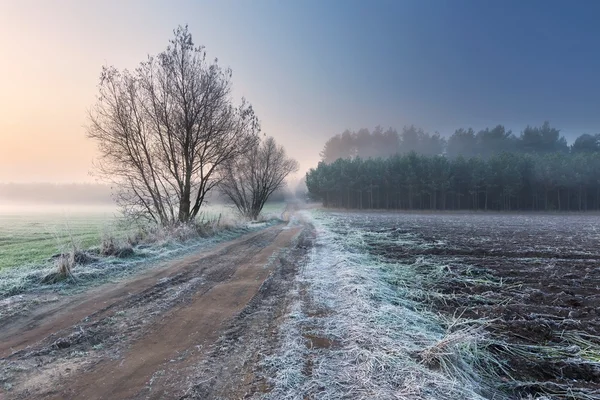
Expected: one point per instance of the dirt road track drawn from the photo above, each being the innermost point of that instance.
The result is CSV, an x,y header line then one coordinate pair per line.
x,y
152,336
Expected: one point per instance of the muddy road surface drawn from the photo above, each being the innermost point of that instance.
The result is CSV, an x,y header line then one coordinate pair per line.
x,y
191,328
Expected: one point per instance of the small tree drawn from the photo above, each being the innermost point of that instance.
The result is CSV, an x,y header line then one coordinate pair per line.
x,y
165,130
249,180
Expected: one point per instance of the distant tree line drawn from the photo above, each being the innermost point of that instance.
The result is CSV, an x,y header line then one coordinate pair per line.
x,y
552,180
463,142
492,169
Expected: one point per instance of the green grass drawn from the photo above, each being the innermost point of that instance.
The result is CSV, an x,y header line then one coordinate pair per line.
x,y
32,235
274,209
212,211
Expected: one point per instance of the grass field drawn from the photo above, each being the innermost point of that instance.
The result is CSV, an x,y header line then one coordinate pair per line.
x,y
33,234
30,235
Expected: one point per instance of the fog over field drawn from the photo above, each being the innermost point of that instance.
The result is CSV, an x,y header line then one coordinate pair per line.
x,y
300,199
49,194
300,65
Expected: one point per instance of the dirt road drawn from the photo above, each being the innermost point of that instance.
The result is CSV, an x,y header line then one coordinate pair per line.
x,y
191,328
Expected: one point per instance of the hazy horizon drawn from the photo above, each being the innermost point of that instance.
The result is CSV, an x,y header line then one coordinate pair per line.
x,y
310,69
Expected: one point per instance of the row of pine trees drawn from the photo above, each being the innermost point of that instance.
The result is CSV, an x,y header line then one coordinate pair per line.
x,y
555,181
463,142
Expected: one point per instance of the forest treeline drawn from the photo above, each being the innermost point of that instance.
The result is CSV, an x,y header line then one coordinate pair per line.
x,y
537,171
463,142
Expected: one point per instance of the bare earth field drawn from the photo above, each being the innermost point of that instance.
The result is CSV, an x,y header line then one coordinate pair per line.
x,y
534,278
333,305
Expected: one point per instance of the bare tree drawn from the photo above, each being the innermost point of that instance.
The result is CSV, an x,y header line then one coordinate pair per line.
x,y
252,178
165,131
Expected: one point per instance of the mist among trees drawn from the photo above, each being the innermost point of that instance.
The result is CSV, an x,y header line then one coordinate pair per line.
x,y
380,143
492,169
165,130
506,181
463,142
251,179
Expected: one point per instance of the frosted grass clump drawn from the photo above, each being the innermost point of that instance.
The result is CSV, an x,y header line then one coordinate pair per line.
x,y
381,341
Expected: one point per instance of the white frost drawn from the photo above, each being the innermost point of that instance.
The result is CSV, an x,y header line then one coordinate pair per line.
x,y
376,331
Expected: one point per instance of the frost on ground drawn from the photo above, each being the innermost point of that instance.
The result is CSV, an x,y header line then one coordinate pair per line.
x,y
24,287
359,329
150,336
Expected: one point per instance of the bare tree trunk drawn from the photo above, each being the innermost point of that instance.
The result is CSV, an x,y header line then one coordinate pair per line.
x,y
348,198
486,199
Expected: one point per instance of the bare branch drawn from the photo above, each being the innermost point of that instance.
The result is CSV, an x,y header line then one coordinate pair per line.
x,y
250,179
166,130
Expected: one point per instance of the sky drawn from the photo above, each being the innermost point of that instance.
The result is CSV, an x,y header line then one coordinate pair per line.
x,y
310,68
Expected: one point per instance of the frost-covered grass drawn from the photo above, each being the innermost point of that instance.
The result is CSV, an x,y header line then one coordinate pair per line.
x,y
376,338
30,277
30,235
29,240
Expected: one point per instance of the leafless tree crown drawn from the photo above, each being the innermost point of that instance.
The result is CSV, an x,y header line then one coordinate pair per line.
x,y
166,130
250,179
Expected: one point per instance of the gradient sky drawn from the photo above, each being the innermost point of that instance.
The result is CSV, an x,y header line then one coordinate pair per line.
x,y
310,68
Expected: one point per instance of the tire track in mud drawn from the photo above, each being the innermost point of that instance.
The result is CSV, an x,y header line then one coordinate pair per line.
x,y
150,332
232,369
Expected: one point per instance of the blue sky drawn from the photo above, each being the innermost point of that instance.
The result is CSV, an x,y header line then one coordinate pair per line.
x,y
440,64
311,68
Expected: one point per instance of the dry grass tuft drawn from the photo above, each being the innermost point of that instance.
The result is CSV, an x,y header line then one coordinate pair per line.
x,y
446,351
203,227
64,264
110,246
